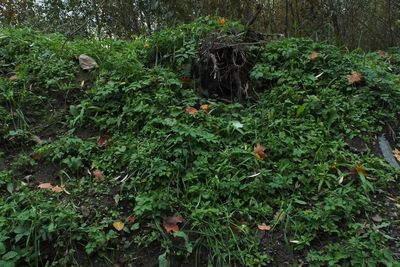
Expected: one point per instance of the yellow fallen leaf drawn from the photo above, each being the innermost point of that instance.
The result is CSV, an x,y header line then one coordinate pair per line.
x,y
221,22
118,225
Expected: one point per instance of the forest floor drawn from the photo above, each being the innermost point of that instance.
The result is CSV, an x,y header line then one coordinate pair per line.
x,y
264,155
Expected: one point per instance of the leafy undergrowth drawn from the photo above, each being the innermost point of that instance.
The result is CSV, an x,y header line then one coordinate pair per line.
x,y
127,164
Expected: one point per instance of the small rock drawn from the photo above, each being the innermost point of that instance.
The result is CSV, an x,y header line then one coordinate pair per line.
x,y
357,144
376,218
87,63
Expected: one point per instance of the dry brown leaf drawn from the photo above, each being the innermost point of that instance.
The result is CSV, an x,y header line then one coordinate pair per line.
x,y
221,22
13,78
186,80
118,225
98,175
130,219
396,154
360,169
264,227
45,186
171,223
259,151
36,156
205,107
103,140
191,110
354,78
53,188
382,53
57,189
314,55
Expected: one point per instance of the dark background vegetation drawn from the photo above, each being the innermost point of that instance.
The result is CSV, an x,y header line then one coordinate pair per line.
x,y
370,24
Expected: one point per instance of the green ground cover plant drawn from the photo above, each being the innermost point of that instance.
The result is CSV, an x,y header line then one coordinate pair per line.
x,y
138,179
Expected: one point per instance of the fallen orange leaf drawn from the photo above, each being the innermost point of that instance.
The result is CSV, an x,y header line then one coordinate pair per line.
x,y
360,169
118,225
171,223
98,175
205,107
355,77
314,55
221,22
191,110
264,227
103,140
259,151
